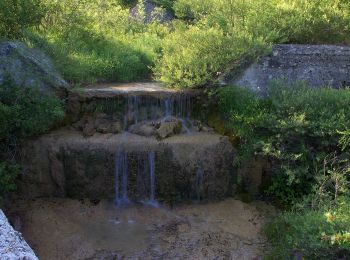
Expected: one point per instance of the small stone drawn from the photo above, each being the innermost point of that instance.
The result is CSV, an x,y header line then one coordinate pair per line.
x,y
247,242
89,127
115,128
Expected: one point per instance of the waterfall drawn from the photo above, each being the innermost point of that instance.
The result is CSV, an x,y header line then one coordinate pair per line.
x,y
152,169
145,176
121,178
199,183
140,108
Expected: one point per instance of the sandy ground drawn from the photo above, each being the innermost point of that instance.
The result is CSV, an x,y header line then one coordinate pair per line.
x,y
71,229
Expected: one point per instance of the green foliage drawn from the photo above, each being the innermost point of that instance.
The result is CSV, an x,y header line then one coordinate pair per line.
x,y
100,41
16,15
126,3
90,41
296,127
167,4
305,133
196,56
314,234
190,61
25,112
8,174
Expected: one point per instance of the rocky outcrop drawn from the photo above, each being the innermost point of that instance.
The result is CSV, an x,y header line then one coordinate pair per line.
x,y
317,65
162,129
12,244
29,68
100,123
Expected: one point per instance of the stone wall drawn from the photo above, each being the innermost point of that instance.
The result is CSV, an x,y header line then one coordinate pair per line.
x,y
318,65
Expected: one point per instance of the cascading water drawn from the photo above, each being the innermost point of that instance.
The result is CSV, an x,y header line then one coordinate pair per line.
x,y
145,176
152,173
140,108
199,183
121,178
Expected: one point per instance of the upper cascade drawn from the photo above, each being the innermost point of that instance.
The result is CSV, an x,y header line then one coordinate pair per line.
x,y
146,109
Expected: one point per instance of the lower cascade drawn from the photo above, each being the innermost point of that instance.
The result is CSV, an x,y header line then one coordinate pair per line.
x,y
145,178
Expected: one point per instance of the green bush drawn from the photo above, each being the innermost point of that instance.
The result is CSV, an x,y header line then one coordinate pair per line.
x,y
8,174
25,112
312,234
196,56
16,15
167,4
296,127
126,3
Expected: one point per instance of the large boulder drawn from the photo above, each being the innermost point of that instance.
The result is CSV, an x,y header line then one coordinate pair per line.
x,y
30,68
317,65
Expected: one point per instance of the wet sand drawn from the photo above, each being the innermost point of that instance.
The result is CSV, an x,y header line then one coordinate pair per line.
x,y
71,229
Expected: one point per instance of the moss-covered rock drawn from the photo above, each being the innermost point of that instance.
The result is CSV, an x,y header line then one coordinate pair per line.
x,y
30,68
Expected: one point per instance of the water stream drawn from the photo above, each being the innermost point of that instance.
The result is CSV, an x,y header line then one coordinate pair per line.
x,y
145,178
141,108
121,178
199,183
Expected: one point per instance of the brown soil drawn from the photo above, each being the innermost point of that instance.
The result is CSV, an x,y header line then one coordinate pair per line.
x,y
70,229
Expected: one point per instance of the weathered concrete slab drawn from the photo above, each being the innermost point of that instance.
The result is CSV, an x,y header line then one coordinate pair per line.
x,y
318,65
12,244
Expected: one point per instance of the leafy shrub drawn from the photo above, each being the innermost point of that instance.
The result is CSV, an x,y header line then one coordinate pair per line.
x,y
8,174
16,15
25,112
314,234
126,3
295,21
167,4
296,127
196,56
